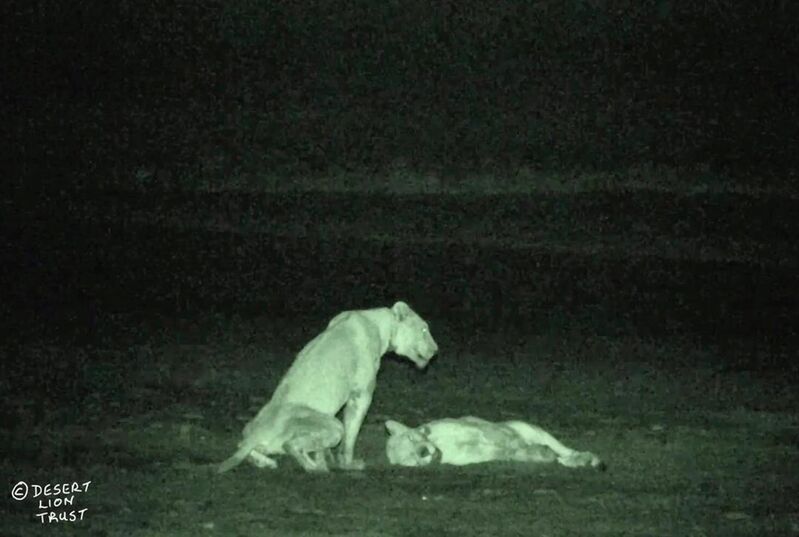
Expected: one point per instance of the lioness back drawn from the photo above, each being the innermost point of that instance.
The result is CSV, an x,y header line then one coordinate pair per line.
x,y
325,370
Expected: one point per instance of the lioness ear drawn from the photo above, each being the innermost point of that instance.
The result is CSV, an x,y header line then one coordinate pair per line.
x,y
395,427
401,310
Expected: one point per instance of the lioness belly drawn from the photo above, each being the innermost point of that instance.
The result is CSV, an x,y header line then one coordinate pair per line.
x,y
472,440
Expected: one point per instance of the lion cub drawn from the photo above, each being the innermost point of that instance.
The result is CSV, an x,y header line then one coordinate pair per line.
x,y
335,370
469,440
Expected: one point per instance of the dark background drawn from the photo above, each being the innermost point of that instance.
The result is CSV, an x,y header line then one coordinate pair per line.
x,y
197,92
598,218
300,87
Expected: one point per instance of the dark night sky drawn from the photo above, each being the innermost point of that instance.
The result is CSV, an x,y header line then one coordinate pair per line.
x,y
205,91
314,86
636,293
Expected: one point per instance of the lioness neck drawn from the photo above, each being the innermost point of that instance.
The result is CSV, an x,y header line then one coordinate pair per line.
x,y
382,323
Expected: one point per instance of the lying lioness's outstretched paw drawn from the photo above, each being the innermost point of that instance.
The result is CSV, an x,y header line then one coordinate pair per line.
x,y
262,461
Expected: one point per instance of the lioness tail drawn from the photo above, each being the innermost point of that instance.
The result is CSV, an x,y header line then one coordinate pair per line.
x,y
235,459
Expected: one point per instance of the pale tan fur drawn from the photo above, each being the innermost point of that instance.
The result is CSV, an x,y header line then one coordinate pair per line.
x,y
470,440
334,371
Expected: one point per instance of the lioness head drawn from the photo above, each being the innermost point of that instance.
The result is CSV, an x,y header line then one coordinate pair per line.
x,y
412,336
409,447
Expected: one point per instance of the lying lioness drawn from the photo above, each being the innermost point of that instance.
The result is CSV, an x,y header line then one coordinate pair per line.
x,y
336,369
470,440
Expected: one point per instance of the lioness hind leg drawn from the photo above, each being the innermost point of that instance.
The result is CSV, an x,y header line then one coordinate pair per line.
x,y
313,460
534,453
303,458
322,459
261,461
314,434
566,456
330,458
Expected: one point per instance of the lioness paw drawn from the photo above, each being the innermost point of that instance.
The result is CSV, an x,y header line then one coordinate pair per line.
x,y
579,459
262,461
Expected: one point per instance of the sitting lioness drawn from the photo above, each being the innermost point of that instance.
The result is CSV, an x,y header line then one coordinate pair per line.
x,y
338,368
470,440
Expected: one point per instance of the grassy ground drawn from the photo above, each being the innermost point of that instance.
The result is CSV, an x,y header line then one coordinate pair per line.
x,y
692,449
700,430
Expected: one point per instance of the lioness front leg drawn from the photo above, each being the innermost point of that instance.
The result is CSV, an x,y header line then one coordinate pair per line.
x,y
354,413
